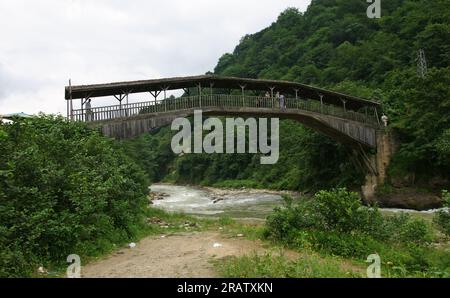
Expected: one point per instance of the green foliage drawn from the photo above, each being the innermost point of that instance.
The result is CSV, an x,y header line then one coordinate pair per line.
x,y
442,218
279,266
334,45
304,163
64,189
152,152
338,210
343,211
421,117
336,222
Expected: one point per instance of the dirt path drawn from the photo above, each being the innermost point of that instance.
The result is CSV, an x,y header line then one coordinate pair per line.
x,y
180,255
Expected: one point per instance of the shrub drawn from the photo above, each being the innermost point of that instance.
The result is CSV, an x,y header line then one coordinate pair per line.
x,y
405,229
285,222
336,222
63,189
338,210
442,218
343,211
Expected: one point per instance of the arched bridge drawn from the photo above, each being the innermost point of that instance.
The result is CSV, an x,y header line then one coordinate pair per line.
x,y
345,118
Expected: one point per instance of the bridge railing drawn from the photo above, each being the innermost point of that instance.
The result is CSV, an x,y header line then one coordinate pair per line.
x,y
218,101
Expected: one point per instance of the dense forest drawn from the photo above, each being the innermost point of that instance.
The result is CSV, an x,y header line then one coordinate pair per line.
x,y
334,45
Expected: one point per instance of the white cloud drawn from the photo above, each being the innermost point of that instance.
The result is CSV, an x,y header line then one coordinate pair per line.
x,y
46,42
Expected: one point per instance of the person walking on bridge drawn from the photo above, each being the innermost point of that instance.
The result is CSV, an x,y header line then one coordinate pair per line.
x,y
282,102
277,97
88,110
266,102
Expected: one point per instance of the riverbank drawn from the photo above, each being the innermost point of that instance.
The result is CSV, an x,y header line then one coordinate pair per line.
x,y
240,203
197,246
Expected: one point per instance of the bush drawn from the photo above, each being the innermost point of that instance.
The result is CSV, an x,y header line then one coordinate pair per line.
x,y
336,222
343,211
338,210
63,189
285,222
442,218
405,229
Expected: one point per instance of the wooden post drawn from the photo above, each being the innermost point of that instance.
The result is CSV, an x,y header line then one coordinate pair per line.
x,y
321,103
271,95
211,92
70,96
200,94
376,115
243,94
165,99
126,110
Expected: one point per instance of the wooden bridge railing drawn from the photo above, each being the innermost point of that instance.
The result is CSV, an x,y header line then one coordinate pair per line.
x,y
219,101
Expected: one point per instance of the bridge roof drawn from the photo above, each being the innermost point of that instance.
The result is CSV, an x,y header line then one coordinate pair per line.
x,y
304,91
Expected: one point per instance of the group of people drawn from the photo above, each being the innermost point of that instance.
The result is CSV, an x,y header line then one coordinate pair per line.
x,y
281,99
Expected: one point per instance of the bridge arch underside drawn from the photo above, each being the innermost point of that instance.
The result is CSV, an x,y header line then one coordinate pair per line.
x,y
351,133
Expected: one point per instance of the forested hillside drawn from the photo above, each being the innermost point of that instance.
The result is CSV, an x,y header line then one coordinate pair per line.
x,y
334,45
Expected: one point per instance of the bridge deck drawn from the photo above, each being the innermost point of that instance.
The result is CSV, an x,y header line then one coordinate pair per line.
x,y
221,101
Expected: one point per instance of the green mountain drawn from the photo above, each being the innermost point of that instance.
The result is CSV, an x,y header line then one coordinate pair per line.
x,y
335,45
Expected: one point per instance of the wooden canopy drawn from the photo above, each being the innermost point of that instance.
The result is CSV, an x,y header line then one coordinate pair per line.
x,y
207,81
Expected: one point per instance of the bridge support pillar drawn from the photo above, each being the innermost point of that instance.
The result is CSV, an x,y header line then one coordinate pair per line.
x,y
386,147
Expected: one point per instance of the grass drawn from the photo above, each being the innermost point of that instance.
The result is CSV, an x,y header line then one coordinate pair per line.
x,y
234,184
278,265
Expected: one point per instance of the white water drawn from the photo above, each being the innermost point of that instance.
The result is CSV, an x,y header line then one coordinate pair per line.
x,y
249,204
192,200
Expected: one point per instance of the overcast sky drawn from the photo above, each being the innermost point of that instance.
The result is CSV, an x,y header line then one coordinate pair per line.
x,y
46,42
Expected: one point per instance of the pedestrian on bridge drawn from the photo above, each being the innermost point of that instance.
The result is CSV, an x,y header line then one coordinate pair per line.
x,y
385,120
88,110
282,102
266,102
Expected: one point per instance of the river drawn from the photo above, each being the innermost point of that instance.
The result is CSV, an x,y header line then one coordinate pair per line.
x,y
241,204
245,204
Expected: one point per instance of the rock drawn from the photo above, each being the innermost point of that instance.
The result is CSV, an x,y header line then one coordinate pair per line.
x,y
409,198
42,270
157,196
190,224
